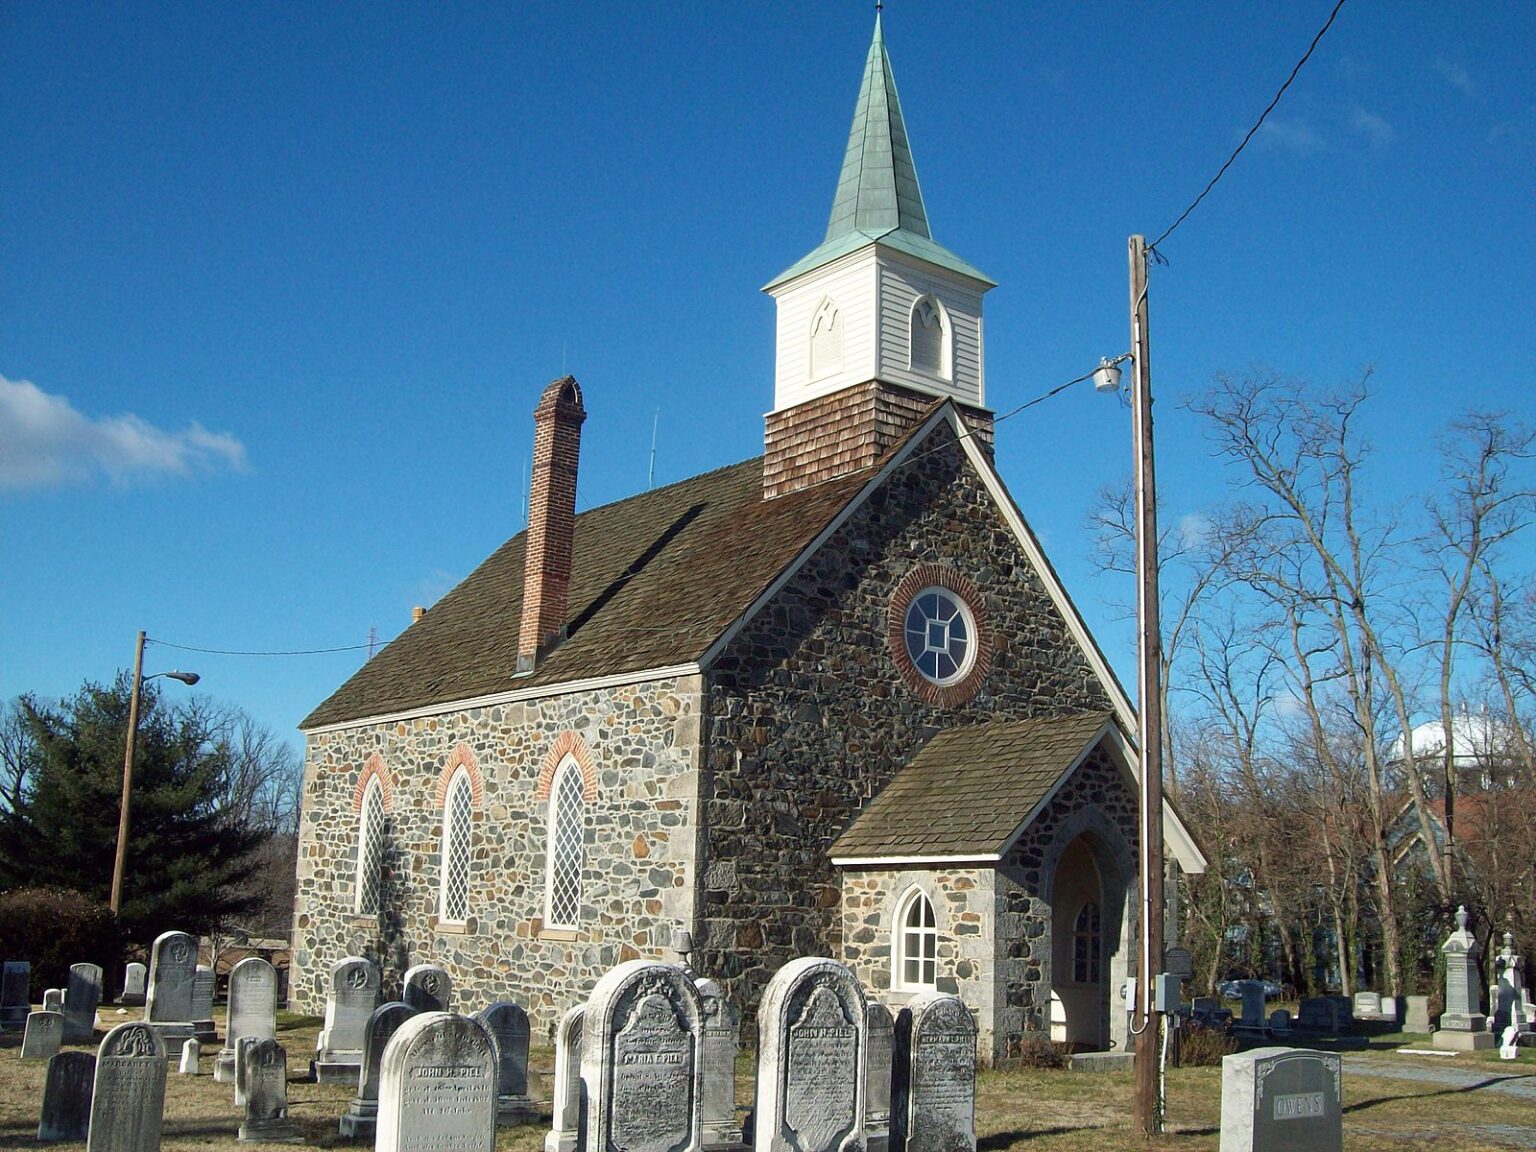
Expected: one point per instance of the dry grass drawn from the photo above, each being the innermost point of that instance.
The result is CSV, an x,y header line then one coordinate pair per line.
x,y
1026,1111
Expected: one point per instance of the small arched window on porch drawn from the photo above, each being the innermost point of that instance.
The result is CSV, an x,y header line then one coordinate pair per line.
x,y
917,943
370,849
1087,946
458,822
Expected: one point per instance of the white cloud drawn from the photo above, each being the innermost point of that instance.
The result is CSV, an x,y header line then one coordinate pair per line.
x,y
46,443
1297,135
1194,529
1455,75
1377,129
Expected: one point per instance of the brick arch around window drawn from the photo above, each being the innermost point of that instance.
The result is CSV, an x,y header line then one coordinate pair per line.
x,y
461,757
374,768
567,744
929,575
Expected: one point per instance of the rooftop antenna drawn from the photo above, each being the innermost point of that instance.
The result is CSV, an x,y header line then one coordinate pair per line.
x,y
373,640
650,477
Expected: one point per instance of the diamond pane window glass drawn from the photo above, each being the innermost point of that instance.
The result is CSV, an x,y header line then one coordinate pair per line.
x,y
458,819
565,836
938,632
370,850
918,946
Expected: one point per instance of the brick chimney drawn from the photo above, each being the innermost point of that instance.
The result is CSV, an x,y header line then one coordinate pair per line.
x,y
551,519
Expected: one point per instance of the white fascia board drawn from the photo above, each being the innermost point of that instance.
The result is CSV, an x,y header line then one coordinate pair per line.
x,y
540,692
902,861
1109,729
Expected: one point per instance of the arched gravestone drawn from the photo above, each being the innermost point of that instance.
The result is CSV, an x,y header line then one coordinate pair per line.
x,y
721,1041
353,996
133,984
266,1095
934,1091
252,1011
641,1064
82,996
877,1077
43,1037
67,1097
172,972
508,1025
437,1088
128,1096
565,1127
362,1117
428,988
812,1048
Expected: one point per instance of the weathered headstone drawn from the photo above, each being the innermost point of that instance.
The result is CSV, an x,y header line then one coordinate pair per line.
x,y
437,1088
507,1024
812,1053
53,1000
82,996
428,988
252,1011
67,1097
877,1077
1281,1100
1462,1027
44,1035
15,994
933,1097
1416,1016
172,973
1252,1018
134,976
204,983
266,1096
1367,1005
718,1048
128,1093
565,1127
191,1056
241,1045
361,1118
1280,1022
641,1066
354,994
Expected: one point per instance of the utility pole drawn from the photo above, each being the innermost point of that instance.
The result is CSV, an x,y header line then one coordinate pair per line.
x,y
122,814
1149,709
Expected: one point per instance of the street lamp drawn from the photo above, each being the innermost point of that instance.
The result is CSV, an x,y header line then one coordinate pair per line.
x,y
133,730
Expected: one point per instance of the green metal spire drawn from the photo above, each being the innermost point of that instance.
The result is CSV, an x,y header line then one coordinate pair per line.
x,y
878,197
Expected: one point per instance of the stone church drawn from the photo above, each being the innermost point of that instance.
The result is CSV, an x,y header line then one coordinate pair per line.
x,y
829,701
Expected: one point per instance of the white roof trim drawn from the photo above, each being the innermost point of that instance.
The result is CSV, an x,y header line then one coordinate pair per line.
x,y
850,861
595,683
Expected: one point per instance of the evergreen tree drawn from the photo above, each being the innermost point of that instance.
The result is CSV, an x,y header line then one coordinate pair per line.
x,y
190,855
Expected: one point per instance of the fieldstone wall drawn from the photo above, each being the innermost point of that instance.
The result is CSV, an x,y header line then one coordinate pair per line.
x,y
1100,803
642,743
807,716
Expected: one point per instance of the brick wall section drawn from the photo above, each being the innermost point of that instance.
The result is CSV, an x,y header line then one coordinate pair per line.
x,y
836,434
551,517
807,715
638,867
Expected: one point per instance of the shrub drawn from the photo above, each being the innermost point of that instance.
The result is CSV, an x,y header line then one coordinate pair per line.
x,y
54,928
1201,1046
1038,1050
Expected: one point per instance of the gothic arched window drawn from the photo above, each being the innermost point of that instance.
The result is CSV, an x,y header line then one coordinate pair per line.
x,y
826,341
370,849
930,338
562,901
458,822
917,943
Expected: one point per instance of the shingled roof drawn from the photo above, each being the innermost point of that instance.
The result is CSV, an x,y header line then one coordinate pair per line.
x,y
656,579
968,791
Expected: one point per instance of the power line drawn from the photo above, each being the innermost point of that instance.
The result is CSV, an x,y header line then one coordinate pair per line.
x,y
233,652
1152,247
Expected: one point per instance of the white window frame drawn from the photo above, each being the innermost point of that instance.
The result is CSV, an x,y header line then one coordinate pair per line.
x,y
371,812
568,769
966,616
831,362
457,822
904,937
944,370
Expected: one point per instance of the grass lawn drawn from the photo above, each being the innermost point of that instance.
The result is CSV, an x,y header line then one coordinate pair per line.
x,y
1028,1111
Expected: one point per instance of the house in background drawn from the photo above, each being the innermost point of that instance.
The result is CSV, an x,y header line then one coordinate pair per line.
x,y
832,700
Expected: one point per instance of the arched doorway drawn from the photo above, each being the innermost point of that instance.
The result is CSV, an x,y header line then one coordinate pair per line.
x,y
1079,956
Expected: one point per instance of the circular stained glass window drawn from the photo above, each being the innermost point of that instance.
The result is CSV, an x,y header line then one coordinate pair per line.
x,y
941,636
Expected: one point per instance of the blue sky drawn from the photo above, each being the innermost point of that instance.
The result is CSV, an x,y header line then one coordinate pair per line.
x,y
280,284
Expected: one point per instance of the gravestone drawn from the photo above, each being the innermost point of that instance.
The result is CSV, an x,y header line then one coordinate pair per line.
x,y
1252,1018
507,1024
128,1093
812,1059
1416,1015
1281,1100
67,1097
53,1000
241,1045
252,1011
172,974
565,1126
1462,1027
428,988
82,996
361,1118
1319,1014
133,985
437,1087
203,985
15,995
191,1056
1507,1002
1367,1005
717,1048
933,1096
877,1077
354,994
44,1035
266,1096
642,1070
1280,1022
